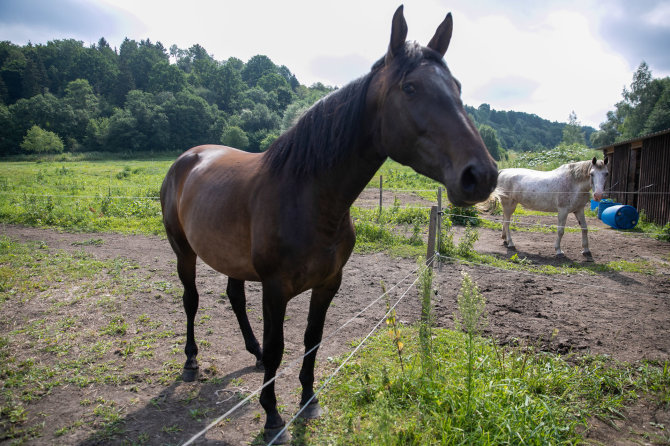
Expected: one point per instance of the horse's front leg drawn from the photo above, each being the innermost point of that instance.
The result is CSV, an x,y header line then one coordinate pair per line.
x,y
274,310
321,298
562,219
585,238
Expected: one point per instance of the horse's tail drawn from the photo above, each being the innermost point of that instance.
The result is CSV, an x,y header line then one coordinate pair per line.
x,y
492,203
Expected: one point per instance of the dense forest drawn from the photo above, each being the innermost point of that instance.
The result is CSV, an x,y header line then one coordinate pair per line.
x,y
64,95
141,97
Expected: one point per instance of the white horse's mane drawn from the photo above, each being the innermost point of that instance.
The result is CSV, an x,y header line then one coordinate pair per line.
x,y
580,170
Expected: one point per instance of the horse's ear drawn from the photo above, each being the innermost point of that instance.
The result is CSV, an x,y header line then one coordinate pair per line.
x,y
442,37
398,34
594,160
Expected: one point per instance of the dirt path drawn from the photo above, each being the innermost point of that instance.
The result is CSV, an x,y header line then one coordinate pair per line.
x,y
622,314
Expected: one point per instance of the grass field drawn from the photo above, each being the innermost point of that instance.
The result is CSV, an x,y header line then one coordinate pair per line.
x,y
517,394
116,195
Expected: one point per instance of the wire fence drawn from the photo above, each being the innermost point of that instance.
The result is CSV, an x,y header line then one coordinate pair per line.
x,y
151,195
106,193
437,257
294,362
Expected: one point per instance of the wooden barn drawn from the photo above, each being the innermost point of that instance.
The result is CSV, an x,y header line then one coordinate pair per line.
x,y
640,174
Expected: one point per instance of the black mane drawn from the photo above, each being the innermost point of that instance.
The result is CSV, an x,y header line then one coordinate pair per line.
x,y
332,128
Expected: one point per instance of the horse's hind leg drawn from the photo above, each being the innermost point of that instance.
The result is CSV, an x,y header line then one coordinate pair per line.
x,y
238,300
186,269
319,304
586,252
508,210
562,219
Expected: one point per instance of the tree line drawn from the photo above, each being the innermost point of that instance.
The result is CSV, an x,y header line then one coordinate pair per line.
x,y
64,95
644,109
521,131
141,97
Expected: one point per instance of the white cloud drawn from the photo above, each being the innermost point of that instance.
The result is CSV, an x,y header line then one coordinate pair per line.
x,y
549,67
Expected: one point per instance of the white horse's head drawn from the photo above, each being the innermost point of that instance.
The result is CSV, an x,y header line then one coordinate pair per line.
x,y
598,173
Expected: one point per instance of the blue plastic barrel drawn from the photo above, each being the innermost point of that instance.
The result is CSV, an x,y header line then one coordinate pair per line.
x,y
604,204
594,204
621,216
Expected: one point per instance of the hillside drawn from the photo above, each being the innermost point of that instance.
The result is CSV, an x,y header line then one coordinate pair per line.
x,y
522,131
65,96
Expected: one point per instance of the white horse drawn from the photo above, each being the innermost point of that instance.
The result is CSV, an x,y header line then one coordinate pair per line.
x,y
562,190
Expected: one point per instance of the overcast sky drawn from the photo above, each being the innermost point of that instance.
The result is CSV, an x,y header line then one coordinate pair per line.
x,y
544,57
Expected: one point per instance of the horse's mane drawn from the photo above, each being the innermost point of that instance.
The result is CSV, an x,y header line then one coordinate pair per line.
x,y
333,127
580,170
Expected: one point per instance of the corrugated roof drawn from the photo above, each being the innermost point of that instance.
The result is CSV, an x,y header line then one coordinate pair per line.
x,y
632,140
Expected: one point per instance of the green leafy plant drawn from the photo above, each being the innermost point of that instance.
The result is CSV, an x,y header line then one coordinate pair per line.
x,y
462,216
471,318
425,325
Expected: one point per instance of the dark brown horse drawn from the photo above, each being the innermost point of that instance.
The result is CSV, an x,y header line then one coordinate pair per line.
x,y
282,217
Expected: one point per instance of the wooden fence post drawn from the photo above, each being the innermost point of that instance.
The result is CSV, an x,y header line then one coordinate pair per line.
x,y
381,192
432,231
439,226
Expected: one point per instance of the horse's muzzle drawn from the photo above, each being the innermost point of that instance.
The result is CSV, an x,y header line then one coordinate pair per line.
x,y
476,183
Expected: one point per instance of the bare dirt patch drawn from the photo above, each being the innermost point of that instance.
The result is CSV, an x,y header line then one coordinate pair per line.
x,y
625,315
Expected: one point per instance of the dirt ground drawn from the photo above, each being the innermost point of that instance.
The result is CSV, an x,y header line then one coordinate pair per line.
x,y
621,314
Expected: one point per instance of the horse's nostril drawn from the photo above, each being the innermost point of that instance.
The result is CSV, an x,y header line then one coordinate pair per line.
x,y
469,180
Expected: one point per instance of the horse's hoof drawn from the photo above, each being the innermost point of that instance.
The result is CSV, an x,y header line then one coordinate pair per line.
x,y
560,255
587,257
259,364
312,411
190,375
270,433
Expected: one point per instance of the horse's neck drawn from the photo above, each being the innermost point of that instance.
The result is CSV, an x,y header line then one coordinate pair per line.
x,y
343,183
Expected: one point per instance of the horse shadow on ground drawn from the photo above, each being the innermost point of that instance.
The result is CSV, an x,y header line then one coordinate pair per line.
x,y
599,269
180,411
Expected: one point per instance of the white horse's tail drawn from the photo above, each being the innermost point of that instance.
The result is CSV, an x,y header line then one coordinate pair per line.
x,y
491,203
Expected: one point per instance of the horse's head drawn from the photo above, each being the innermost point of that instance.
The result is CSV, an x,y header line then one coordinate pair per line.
x,y
420,118
598,173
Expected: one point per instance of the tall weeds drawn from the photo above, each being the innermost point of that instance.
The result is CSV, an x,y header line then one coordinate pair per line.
x,y
471,318
425,325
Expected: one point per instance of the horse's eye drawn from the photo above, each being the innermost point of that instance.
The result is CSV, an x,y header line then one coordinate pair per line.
x,y
408,88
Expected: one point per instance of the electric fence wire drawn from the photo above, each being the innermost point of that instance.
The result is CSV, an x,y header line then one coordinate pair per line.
x,y
353,352
288,367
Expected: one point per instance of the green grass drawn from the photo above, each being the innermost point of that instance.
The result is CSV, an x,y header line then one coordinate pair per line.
x,y
109,195
518,395
94,193
59,345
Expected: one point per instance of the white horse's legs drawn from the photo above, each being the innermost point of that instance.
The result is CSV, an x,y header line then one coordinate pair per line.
x,y
585,239
508,210
562,218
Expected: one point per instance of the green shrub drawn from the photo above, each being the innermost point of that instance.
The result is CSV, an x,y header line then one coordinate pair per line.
x,y
551,159
463,216
38,140
665,233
